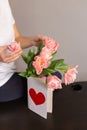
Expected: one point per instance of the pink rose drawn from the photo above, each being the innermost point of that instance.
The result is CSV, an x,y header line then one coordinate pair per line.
x,y
13,46
70,75
54,82
40,63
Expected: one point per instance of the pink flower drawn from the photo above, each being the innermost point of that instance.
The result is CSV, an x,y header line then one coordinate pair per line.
x,y
40,63
13,46
45,53
54,82
51,45
70,75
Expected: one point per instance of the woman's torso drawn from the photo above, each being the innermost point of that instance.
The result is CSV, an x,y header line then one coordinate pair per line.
x,y
6,38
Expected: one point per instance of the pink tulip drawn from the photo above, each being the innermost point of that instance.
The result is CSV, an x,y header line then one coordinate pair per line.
x,y
45,53
40,63
54,82
13,46
70,75
51,44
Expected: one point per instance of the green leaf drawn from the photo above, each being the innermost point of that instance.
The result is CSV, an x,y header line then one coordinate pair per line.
x,y
58,65
30,53
30,57
24,58
40,47
23,74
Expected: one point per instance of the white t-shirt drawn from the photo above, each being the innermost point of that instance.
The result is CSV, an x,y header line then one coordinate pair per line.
x,y
6,38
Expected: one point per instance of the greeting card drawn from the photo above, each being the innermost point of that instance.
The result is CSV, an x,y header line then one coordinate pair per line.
x,y
39,97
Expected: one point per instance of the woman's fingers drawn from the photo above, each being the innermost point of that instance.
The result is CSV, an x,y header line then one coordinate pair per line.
x,y
3,48
10,57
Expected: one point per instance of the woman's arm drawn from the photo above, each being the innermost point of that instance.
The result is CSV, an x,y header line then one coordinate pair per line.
x,y
12,56
26,42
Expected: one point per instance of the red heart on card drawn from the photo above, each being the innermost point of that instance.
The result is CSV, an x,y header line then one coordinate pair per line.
x,y
38,98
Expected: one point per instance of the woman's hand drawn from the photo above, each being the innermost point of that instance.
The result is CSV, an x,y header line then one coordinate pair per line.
x,y
11,56
36,40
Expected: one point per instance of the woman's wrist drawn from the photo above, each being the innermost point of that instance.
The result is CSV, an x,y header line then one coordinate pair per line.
x,y
33,40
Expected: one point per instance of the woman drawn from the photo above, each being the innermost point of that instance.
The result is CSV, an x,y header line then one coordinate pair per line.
x,y
12,86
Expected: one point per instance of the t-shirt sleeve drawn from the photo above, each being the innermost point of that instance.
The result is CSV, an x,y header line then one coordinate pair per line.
x,y
11,15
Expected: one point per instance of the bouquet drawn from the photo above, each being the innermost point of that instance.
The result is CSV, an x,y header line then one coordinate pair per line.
x,y
41,63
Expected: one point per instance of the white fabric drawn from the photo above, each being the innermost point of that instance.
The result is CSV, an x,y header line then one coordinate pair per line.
x,y
6,38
